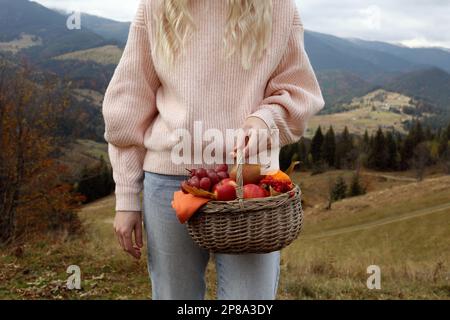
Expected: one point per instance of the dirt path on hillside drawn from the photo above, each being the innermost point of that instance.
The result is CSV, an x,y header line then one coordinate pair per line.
x,y
389,177
380,222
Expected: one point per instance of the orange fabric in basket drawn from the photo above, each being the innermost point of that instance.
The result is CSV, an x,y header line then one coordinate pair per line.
x,y
186,205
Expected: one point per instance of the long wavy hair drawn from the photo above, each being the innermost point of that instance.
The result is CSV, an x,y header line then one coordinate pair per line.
x,y
247,33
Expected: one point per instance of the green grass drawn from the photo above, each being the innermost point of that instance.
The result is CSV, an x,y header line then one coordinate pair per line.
x,y
24,42
103,55
413,254
367,113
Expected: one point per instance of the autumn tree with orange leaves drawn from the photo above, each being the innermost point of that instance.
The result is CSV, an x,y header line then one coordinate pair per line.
x,y
34,196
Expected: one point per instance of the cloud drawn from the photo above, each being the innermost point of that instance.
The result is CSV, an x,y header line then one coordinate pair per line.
x,y
399,21
410,22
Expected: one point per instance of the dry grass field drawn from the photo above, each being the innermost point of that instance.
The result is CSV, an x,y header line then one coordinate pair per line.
x,y
25,41
367,112
400,225
103,55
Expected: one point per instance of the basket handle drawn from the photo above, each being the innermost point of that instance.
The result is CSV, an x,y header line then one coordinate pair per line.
x,y
239,174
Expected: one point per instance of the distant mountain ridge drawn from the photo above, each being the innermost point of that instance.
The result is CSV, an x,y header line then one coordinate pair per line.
x,y
18,17
370,57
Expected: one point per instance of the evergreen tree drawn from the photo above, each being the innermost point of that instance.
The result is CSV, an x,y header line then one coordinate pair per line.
x,y
356,188
316,145
329,147
417,134
96,182
366,142
378,152
339,190
392,152
303,153
421,159
406,152
344,149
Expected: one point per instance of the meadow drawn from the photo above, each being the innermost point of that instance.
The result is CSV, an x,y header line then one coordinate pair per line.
x,y
400,225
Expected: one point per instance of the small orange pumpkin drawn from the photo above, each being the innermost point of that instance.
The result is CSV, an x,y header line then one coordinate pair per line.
x,y
279,175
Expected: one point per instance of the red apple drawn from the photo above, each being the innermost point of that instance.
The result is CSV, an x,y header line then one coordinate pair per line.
x,y
228,181
252,191
225,190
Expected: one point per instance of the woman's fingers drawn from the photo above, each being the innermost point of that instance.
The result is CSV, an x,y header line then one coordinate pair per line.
x,y
138,235
128,244
258,142
119,239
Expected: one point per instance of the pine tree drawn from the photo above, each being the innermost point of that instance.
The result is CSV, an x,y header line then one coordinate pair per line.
x,y
344,149
366,142
329,147
417,134
356,189
378,152
339,190
316,145
406,152
392,152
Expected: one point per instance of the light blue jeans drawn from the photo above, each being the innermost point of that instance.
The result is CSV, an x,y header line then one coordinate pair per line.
x,y
177,265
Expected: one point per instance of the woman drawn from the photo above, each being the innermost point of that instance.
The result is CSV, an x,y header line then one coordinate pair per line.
x,y
227,64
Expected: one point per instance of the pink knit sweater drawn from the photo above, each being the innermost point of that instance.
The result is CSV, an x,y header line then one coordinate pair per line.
x,y
146,101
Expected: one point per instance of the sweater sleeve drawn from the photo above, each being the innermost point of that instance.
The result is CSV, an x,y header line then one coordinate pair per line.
x,y
129,107
292,94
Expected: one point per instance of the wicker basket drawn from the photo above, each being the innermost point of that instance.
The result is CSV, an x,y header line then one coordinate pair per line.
x,y
248,226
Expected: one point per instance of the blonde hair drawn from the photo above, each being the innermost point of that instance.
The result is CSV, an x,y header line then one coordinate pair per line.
x,y
247,32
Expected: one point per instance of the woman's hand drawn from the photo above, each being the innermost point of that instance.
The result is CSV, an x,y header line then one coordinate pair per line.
x,y
125,224
257,137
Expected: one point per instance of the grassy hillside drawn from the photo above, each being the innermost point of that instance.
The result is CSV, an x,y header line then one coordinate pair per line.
x,y
92,97
25,41
105,55
83,153
400,226
390,110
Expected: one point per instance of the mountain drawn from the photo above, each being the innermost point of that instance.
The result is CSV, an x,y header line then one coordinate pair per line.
x,y
438,57
332,53
340,87
369,58
107,28
19,18
349,68
431,85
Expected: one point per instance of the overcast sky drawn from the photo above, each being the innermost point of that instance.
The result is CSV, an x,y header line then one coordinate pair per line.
x,y
410,22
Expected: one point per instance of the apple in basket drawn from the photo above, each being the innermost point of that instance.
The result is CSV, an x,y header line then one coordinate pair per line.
x,y
225,190
252,191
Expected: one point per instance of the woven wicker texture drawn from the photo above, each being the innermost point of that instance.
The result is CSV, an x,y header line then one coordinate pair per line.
x,y
248,225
